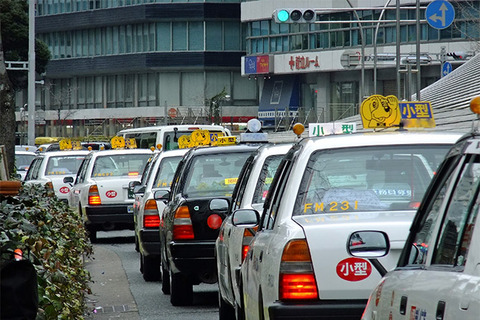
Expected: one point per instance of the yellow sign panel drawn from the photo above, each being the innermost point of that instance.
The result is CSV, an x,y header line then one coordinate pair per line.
x,y
117,142
223,141
231,180
76,145
131,143
65,144
378,111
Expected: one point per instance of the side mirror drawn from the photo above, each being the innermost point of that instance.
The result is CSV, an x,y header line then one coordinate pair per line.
x,y
68,179
139,189
219,204
162,195
133,184
368,244
246,218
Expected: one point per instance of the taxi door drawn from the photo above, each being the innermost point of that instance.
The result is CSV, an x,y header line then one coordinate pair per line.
x,y
79,183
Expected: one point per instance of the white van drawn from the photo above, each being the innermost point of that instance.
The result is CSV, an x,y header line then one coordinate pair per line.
x,y
438,273
167,136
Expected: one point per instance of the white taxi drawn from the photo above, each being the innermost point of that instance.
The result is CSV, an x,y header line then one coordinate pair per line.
x,y
100,192
437,276
53,167
232,243
157,176
23,159
324,189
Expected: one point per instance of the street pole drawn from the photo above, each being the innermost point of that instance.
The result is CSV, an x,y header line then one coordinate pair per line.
x,y
375,48
419,77
362,84
397,46
31,72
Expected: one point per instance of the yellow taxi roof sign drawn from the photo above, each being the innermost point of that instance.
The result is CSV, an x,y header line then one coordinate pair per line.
x,y
65,144
378,111
228,140
117,142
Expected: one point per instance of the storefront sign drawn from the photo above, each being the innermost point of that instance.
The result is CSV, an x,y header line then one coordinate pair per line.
x,y
257,64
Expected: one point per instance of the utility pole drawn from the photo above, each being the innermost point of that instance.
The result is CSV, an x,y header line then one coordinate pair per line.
x,y
31,72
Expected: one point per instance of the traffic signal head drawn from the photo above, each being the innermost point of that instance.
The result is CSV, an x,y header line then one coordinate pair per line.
x,y
457,55
294,15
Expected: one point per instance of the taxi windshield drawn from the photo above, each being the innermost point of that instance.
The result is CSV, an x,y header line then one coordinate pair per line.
x,y
166,171
61,165
214,174
377,178
118,165
22,161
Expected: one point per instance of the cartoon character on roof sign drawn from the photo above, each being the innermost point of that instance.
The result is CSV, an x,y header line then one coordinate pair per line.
x,y
184,141
380,112
117,142
200,137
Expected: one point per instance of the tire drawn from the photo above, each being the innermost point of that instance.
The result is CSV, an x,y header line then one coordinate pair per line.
x,y
225,310
181,290
141,263
137,248
151,268
92,234
165,281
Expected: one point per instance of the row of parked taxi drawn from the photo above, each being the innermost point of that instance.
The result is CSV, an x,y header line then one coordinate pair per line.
x,y
301,230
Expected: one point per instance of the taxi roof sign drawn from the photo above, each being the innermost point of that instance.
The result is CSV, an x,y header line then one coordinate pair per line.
x,y
417,114
65,144
378,111
224,141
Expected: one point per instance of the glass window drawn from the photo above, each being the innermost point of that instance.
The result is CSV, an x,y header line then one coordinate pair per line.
x,y
121,40
119,165
128,89
264,27
255,28
63,165
195,35
98,41
266,177
214,35
98,92
459,221
179,36
129,39
166,171
232,35
214,174
142,90
163,36
169,88
120,89
367,179
192,93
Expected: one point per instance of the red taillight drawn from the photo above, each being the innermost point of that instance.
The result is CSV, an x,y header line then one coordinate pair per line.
x,y
94,196
297,280
133,173
414,205
298,286
247,238
182,225
151,219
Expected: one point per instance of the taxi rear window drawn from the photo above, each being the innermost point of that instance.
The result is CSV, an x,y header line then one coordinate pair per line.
x,y
119,165
63,165
377,178
214,174
170,139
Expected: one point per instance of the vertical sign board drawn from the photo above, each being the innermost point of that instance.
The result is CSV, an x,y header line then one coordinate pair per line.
x,y
446,68
417,114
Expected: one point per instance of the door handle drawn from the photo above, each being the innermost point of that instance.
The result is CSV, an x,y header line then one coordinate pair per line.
x,y
440,310
403,305
261,256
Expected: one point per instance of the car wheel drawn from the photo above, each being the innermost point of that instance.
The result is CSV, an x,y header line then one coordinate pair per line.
x,y
141,263
225,310
181,290
92,234
151,268
136,244
165,281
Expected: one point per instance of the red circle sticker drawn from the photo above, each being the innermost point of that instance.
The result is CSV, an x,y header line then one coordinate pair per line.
x,y
111,193
64,190
354,269
214,221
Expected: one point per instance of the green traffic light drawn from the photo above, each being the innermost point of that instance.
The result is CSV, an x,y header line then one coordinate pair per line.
x,y
282,15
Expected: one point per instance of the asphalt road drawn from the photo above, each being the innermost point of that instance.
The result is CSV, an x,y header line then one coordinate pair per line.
x,y
119,291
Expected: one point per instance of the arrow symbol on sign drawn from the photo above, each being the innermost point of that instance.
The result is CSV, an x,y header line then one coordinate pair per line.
x,y
435,18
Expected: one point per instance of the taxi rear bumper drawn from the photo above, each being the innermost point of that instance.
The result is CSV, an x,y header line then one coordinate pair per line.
x,y
110,217
149,242
331,309
195,258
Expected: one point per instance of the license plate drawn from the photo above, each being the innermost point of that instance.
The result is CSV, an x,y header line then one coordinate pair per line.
x,y
130,209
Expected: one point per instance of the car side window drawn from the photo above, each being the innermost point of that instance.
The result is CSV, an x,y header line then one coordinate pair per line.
x,y
32,173
422,237
457,226
82,171
239,190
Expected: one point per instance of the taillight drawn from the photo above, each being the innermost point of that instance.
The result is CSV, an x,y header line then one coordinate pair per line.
x,y
151,219
133,173
297,280
94,196
247,239
182,224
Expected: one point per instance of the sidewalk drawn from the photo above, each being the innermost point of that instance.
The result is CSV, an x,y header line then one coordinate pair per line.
x,y
111,297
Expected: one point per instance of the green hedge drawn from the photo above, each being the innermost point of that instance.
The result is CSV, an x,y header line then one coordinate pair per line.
x,y
54,238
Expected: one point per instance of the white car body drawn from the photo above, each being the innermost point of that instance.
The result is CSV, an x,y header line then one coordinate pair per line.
x,y
438,273
329,281
158,175
54,167
250,192
113,206
147,137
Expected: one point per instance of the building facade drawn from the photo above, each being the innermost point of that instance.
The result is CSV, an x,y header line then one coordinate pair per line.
x,y
122,63
129,63
313,72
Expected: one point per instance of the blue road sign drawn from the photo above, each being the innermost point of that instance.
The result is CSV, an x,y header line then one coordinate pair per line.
x,y
446,68
440,14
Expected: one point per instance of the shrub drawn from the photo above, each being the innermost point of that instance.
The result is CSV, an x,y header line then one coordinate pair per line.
x,y
54,238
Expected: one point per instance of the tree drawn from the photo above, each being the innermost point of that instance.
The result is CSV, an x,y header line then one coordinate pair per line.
x,y
14,47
